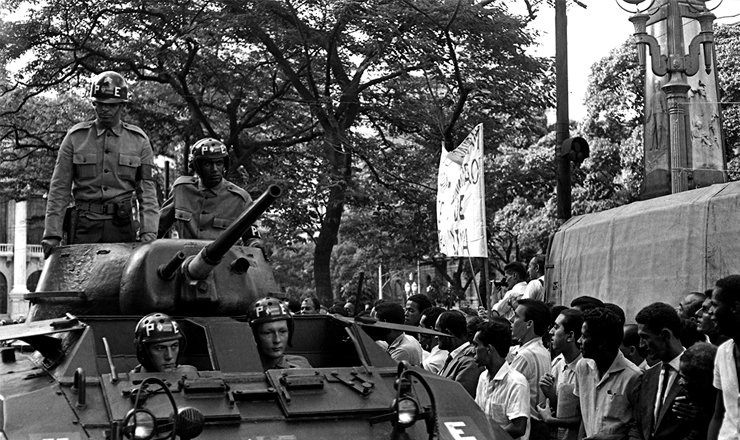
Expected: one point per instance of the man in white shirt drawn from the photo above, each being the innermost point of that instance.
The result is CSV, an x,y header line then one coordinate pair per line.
x,y
559,384
502,393
401,347
606,382
530,322
725,309
516,276
433,357
659,328
536,271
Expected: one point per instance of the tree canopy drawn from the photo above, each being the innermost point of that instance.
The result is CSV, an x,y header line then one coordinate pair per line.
x,y
345,103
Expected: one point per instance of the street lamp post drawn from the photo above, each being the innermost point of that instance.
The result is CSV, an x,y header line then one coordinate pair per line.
x,y
674,63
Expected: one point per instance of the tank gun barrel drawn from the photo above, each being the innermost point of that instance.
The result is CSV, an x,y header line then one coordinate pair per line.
x,y
203,263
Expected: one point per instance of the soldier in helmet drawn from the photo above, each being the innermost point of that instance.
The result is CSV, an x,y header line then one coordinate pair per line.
x,y
100,165
272,325
204,205
159,342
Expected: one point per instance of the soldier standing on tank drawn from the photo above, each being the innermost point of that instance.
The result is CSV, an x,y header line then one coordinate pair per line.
x,y
272,325
203,206
100,164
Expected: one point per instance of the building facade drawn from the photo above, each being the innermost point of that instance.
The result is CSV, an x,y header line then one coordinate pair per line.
x,y
21,257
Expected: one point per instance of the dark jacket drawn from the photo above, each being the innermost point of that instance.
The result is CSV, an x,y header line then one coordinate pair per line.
x,y
669,427
463,369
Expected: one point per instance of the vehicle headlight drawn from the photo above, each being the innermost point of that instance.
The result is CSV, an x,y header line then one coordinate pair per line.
x,y
407,411
139,424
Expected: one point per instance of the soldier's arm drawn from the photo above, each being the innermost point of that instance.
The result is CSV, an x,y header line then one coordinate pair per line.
x,y
147,192
60,190
166,215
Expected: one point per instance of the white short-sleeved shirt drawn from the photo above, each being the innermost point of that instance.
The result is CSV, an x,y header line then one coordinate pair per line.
x,y
725,380
606,404
505,397
535,289
434,361
406,348
533,361
505,307
565,383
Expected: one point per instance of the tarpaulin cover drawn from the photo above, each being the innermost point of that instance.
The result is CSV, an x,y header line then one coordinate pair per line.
x,y
648,251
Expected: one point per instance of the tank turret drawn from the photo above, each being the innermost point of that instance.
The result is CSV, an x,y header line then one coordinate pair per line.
x,y
77,368
179,277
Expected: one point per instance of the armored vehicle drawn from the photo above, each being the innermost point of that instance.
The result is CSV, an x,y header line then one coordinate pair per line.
x,y
66,373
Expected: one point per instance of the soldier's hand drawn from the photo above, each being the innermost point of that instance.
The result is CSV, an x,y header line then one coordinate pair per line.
x,y
148,236
48,245
258,243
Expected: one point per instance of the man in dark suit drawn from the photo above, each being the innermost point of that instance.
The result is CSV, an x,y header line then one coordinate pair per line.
x,y
460,365
659,327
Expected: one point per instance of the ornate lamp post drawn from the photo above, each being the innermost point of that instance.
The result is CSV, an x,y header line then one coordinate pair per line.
x,y
671,67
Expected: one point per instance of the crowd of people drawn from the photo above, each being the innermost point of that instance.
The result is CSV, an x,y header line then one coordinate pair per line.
x,y
580,371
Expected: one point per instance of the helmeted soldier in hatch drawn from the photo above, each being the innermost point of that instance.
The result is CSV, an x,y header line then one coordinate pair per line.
x,y
159,342
100,165
203,206
272,325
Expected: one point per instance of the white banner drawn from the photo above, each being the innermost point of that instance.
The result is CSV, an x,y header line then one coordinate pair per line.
x,y
461,207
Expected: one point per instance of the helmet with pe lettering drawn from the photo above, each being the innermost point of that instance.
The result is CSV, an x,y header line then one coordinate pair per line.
x,y
270,309
109,88
207,149
152,329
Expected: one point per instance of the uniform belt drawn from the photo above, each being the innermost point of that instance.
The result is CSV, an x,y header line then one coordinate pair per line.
x,y
96,208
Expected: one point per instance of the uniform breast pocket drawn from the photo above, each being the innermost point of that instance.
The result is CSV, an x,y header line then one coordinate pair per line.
x,y
84,166
617,408
181,214
221,223
127,166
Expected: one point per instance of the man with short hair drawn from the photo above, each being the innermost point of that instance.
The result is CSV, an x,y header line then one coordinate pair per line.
x,y
725,309
558,385
536,271
460,365
414,306
706,325
272,326
502,392
401,347
688,307
606,381
659,328
631,348
433,357
310,306
585,302
159,343
100,166
516,276
530,322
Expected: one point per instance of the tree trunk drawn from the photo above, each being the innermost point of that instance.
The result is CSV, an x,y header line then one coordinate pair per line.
x,y
341,171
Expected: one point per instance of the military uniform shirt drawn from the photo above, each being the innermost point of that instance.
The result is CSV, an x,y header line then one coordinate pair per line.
x,y
99,165
197,212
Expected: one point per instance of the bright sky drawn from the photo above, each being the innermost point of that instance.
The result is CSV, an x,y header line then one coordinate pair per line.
x,y
593,32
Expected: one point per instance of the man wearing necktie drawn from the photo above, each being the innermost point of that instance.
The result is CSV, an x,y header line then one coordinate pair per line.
x,y
659,328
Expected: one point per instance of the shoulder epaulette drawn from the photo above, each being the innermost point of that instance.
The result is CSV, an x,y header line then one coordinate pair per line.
x,y
232,188
82,126
134,128
185,180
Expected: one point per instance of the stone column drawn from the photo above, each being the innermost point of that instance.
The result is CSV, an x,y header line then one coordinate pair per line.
x,y
683,133
19,306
